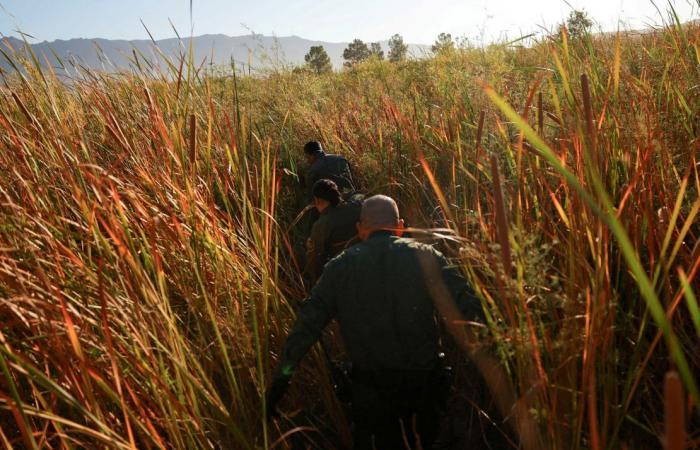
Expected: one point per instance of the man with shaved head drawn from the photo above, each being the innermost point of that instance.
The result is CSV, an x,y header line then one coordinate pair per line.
x,y
380,213
387,294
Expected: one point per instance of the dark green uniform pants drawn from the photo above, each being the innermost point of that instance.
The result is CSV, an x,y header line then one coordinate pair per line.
x,y
392,410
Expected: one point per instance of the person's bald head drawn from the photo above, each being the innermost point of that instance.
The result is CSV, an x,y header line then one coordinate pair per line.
x,y
379,212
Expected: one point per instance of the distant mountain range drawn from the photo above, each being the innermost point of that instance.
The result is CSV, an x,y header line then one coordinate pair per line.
x,y
115,55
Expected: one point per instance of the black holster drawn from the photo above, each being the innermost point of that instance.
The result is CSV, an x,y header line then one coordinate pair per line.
x,y
341,372
444,378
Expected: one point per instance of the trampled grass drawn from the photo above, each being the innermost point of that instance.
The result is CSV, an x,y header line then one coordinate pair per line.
x,y
147,254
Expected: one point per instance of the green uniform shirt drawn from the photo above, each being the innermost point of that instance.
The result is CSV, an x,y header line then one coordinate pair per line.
x,y
331,167
382,292
332,233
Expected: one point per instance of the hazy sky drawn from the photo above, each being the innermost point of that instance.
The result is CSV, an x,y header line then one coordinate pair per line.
x,y
419,21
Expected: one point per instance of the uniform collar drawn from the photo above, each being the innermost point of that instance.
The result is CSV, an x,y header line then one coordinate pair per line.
x,y
380,234
331,207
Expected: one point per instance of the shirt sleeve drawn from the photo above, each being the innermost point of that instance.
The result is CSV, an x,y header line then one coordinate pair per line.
x,y
312,318
464,296
316,252
353,182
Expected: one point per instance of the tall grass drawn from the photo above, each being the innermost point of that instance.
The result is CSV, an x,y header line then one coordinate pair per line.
x,y
147,259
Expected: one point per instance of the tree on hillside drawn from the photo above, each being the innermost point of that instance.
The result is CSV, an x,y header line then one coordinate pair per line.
x,y
578,24
318,60
356,52
397,49
443,44
375,49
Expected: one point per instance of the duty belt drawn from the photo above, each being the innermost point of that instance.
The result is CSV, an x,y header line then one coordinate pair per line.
x,y
391,379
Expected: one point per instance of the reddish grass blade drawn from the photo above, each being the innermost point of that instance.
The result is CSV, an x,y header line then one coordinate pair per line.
x,y
480,129
193,143
674,407
501,217
540,114
588,117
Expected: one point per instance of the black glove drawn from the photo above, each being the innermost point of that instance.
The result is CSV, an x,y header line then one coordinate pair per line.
x,y
274,394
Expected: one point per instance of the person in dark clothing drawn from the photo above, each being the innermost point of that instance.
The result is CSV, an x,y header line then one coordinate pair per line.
x,y
335,230
331,167
386,294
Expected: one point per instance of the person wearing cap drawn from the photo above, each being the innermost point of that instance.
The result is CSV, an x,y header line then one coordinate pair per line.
x,y
331,167
335,229
386,293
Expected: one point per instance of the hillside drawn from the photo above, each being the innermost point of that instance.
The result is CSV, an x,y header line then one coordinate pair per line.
x,y
113,55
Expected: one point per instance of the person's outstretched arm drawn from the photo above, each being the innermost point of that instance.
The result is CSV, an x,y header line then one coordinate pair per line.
x,y
456,303
461,292
312,318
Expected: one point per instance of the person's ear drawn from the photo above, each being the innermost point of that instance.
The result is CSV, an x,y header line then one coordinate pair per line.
x,y
400,228
361,231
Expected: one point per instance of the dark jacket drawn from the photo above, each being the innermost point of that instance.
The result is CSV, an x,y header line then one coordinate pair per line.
x,y
334,231
383,293
331,167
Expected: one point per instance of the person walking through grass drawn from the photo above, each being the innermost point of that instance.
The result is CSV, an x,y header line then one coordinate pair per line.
x,y
331,167
386,293
335,230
